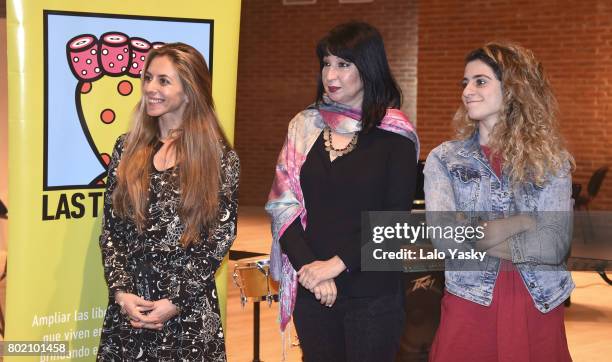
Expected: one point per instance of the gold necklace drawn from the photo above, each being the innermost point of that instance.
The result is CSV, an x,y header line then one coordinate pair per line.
x,y
334,152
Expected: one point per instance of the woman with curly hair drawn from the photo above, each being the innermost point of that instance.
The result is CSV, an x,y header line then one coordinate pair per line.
x,y
509,162
169,218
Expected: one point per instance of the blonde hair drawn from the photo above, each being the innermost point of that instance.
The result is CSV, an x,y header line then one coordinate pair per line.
x,y
527,134
198,149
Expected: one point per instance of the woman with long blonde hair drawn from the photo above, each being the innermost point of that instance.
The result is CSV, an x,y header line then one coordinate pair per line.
x,y
509,167
169,217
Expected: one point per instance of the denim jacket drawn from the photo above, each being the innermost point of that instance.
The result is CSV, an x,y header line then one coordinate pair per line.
x,y
458,177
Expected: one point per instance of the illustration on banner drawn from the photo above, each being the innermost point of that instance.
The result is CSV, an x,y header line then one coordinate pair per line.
x,y
93,64
106,69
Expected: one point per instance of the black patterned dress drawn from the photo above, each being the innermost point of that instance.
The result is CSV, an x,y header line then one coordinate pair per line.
x,y
154,266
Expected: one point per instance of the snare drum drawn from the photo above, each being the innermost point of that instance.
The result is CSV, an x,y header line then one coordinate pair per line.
x,y
252,277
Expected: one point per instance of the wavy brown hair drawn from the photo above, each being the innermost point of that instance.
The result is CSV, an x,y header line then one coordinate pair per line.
x,y
198,148
527,134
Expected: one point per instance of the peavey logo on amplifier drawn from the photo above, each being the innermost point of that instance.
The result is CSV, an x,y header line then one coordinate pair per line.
x,y
425,283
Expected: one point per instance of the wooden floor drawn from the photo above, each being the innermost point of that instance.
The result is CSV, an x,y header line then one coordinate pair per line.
x,y
253,235
588,321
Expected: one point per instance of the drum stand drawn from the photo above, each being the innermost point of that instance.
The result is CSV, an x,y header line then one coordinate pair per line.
x,y
256,332
256,324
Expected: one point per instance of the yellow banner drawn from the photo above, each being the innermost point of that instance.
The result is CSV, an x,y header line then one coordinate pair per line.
x,y
70,96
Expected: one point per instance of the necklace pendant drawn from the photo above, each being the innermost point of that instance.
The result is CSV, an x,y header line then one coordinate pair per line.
x,y
329,145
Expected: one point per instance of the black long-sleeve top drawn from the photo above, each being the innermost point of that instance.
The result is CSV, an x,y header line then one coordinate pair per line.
x,y
378,175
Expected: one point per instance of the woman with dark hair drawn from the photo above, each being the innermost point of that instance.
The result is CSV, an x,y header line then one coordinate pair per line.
x,y
169,218
351,151
508,165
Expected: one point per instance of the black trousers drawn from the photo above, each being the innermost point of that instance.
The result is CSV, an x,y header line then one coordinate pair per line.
x,y
353,330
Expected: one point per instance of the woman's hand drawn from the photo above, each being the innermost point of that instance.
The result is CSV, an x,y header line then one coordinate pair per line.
x,y
132,305
161,312
498,231
326,292
310,275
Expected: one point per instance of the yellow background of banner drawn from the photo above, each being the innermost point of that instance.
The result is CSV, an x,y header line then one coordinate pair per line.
x,y
55,266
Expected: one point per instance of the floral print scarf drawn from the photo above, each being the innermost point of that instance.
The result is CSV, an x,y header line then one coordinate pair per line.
x,y
286,202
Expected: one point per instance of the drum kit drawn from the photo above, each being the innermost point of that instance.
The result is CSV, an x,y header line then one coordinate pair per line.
x,y
252,277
